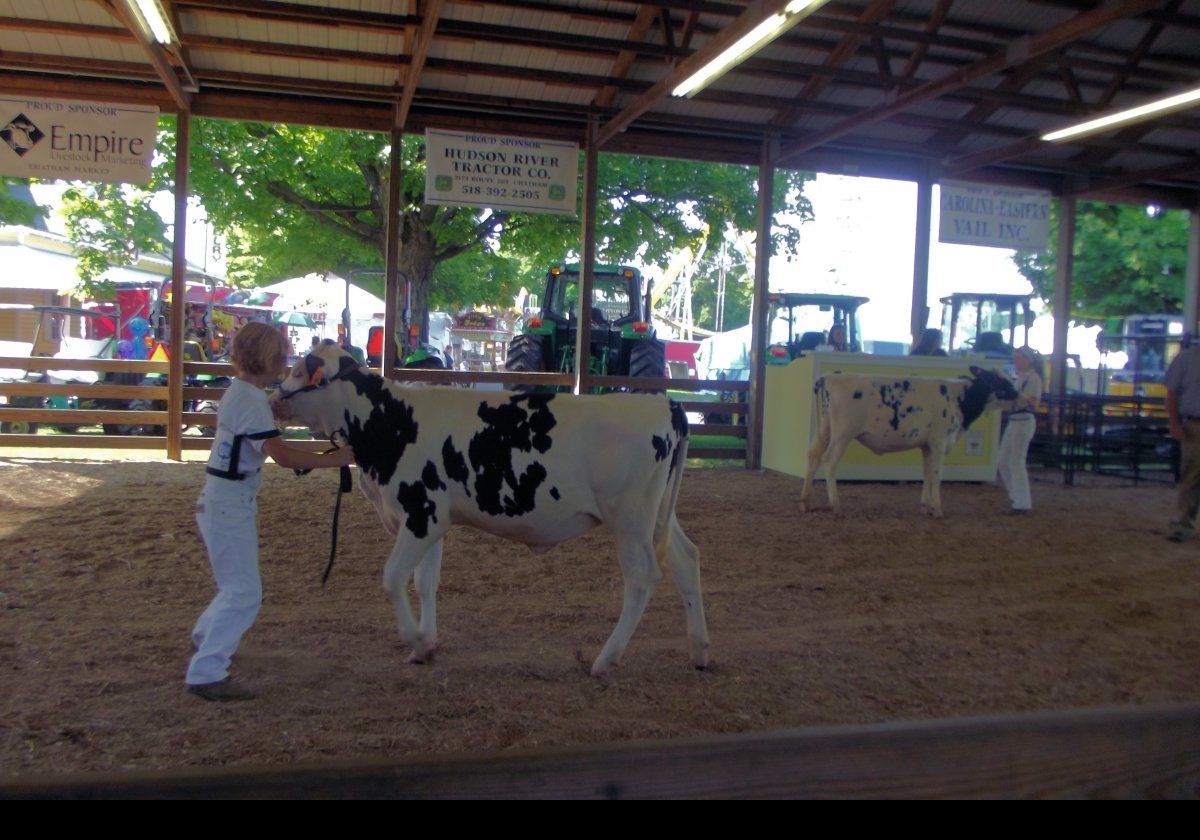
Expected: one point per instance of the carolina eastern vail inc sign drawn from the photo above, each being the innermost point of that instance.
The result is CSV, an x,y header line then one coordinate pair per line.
x,y
998,217
77,141
501,172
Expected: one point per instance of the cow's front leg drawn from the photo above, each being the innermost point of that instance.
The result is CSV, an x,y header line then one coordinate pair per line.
x,y
408,553
815,455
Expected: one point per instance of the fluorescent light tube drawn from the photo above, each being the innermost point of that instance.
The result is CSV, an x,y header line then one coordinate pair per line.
x,y
750,43
153,15
1178,102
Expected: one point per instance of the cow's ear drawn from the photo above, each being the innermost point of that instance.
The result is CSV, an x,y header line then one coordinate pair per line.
x,y
315,366
345,363
975,371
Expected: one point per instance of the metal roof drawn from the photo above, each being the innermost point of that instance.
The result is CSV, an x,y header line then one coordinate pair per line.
x,y
894,88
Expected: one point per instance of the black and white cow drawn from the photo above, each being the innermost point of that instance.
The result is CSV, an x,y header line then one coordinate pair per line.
x,y
535,468
893,414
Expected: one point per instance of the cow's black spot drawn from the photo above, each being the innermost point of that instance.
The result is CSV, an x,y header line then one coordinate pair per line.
x,y
906,385
554,493
510,426
858,395
430,478
455,465
892,400
943,389
974,398
419,507
380,439
662,447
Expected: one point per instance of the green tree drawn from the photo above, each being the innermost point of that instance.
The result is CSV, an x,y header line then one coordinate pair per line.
x,y
16,204
1127,260
293,199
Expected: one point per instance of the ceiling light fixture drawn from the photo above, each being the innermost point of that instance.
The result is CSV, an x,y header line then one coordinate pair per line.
x,y
747,45
155,19
1158,107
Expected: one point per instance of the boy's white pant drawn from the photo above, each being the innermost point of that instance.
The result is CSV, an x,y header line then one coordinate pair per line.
x,y
226,514
1014,447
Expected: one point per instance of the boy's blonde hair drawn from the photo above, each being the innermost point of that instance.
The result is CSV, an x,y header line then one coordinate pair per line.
x,y
258,349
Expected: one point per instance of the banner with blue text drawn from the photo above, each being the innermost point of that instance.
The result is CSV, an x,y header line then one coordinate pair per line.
x,y
501,172
998,217
76,141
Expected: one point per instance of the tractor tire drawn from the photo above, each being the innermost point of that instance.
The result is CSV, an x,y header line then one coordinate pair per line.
x,y
19,427
525,355
648,360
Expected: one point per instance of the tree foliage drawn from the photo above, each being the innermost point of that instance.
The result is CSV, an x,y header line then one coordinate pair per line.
x,y
1127,260
290,200
15,207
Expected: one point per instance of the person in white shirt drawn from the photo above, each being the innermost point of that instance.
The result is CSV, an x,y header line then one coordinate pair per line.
x,y
246,434
1014,445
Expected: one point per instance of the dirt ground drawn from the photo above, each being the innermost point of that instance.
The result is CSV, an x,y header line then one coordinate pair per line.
x,y
873,614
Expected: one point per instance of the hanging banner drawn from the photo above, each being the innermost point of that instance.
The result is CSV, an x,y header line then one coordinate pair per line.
x,y
998,217
76,141
501,172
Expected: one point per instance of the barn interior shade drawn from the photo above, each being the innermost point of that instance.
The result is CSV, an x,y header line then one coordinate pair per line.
x,y
1140,113
748,45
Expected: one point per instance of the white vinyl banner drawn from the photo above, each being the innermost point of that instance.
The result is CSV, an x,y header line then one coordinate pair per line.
x,y
76,141
511,173
999,217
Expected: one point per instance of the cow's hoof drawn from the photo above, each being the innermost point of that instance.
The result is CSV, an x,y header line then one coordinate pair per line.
x,y
804,507
422,656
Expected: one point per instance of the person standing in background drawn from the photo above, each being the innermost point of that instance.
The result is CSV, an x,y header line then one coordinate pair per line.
x,y
1014,445
1183,412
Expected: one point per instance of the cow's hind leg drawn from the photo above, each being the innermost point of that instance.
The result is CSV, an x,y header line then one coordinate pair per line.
x,y
640,569
815,455
684,559
428,575
408,553
931,493
833,455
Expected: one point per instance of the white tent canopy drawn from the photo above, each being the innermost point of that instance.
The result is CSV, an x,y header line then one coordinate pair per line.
x,y
325,294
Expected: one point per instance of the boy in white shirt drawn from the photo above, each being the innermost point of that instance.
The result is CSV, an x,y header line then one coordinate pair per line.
x,y
246,434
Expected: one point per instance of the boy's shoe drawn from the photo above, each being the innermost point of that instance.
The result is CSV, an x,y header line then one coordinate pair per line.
x,y
225,691
1179,535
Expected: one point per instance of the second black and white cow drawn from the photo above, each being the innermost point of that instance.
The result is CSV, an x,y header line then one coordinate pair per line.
x,y
894,414
535,468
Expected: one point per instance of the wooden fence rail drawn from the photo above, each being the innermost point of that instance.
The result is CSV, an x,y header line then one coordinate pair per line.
x,y
154,418
1125,753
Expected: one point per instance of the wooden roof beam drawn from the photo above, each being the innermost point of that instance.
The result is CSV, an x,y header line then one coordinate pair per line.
x,y
1015,53
429,20
121,10
755,14
622,64
936,17
1190,166
846,47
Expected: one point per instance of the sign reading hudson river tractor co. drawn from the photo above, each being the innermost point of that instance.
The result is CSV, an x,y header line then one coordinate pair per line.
x,y
83,141
489,170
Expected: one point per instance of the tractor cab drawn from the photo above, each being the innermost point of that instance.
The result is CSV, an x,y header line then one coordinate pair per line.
x,y
986,324
798,323
622,336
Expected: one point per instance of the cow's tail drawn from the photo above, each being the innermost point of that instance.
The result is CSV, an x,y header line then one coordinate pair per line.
x,y
666,508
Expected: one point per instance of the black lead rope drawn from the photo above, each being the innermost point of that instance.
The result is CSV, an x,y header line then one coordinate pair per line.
x,y
345,485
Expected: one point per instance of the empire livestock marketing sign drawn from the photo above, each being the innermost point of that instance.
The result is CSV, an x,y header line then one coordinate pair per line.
x,y
999,217
510,173
76,141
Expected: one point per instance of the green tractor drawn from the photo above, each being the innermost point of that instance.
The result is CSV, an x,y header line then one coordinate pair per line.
x,y
622,337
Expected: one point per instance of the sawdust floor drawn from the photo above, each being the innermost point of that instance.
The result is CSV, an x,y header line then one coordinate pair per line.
x,y
871,615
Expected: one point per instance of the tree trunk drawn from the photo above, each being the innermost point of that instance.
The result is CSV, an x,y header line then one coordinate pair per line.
x,y
416,265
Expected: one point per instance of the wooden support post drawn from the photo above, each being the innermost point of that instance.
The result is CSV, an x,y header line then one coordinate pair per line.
x,y
391,283
183,144
758,310
919,319
1191,277
1063,269
587,261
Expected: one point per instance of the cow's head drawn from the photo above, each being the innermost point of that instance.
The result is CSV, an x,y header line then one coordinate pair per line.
x,y
986,390
306,392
